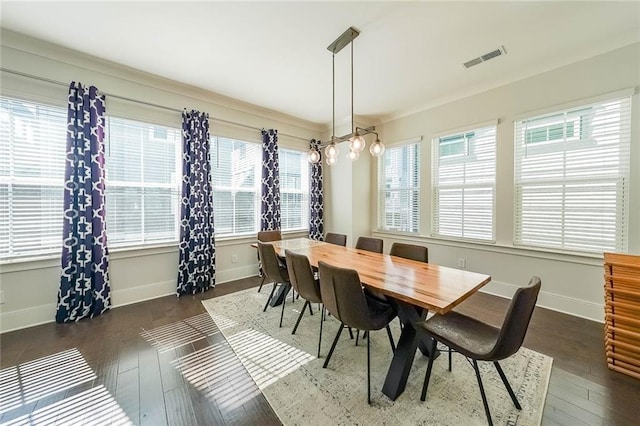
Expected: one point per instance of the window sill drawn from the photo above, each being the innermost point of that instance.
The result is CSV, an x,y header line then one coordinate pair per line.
x,y
591,259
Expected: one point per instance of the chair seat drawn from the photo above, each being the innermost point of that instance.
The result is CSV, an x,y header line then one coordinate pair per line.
x,y
462,333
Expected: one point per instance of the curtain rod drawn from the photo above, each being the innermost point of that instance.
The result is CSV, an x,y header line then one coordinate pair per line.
x,y
124,98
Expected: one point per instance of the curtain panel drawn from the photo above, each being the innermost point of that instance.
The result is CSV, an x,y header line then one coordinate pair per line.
x,y
270,205
197,264
84,280
316,197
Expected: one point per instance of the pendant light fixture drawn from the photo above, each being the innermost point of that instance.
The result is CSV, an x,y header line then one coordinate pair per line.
x,y
356,139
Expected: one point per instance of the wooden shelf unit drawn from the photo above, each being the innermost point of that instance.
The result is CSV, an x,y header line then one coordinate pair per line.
x,y
622,312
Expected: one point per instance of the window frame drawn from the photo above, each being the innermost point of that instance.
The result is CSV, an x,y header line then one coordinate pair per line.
x,y
305,189
383,192
469,133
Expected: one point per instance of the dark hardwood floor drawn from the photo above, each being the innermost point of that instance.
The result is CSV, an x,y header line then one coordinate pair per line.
x,y
162,362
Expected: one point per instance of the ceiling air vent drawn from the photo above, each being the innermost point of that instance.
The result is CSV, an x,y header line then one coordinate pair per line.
x,y
486,57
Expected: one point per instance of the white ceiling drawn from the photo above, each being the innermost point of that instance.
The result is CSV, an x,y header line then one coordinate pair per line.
x,y
408,56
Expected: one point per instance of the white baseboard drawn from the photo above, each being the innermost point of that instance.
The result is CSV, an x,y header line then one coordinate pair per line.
x,y
238,273
556,302
142,292
28,317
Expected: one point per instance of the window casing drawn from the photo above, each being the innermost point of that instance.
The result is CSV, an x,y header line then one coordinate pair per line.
x,y
399,189
464,178
571,183
32,154
143,183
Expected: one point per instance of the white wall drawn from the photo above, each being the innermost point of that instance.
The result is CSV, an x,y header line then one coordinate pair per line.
x,y
571,283
30,287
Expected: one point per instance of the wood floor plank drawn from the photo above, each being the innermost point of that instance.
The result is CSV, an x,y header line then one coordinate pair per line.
x,y
128,394
152,408
179,408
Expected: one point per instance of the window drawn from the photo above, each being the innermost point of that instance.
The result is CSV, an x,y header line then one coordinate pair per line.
x,y
32,151
571,178
294,189
399,189
143,170
464,177
236,185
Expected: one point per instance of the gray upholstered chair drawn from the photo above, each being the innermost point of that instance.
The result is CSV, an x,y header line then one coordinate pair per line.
x,y
344,298
410,251
479,341
274,272
302,280
267,236
370,244
337,239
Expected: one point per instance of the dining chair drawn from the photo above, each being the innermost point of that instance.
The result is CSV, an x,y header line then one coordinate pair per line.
x,y
266,236
370,244
479,341
344,298
410,251
303,281
274,272
337,239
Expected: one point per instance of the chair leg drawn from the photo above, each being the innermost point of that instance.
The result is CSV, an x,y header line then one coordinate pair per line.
x,y
368,373
427,375
295,327
507,385
284,301
320,337
350,333
273,290
333,346
393,345
310,307
484,397
450,351
261,283
357,336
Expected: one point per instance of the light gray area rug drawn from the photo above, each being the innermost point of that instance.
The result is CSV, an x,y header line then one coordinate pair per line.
x,y
301,392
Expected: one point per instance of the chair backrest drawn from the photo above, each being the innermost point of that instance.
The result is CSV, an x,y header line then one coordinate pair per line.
x,y
343,296
337,239
270,264
370,244
301,276
516,322
410,251
267,236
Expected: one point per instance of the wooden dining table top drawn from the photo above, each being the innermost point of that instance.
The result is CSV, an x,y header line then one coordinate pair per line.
x,y
427,285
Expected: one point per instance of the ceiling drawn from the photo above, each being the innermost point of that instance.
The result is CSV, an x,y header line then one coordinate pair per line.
x,y
408,56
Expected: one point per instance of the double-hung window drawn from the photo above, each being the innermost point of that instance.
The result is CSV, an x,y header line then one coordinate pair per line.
x,y
399,189
143,170
32,152
572,177
235,167
464,179
294,189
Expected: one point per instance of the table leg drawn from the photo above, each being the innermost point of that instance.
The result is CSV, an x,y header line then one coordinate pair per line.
x,y
409,341
280,294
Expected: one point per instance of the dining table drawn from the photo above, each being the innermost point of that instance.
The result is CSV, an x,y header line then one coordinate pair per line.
x,y
416,288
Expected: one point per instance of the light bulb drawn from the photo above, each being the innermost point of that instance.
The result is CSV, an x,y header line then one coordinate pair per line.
x,y
357,143
332,150
377,148
353,155
331,161
313,156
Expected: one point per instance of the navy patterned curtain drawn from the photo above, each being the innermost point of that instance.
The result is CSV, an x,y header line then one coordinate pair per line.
x,y
316,199
84,279
270,206
197,267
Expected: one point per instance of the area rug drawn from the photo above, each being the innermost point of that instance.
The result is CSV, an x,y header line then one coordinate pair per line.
x,y
301,392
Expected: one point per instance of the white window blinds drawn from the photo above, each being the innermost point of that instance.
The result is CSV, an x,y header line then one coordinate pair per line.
x,y
399,189
235,166
143,169
571,178
294,189
464,177
32,151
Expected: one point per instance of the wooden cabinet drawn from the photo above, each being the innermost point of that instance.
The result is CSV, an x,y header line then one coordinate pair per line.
x,y
622,312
